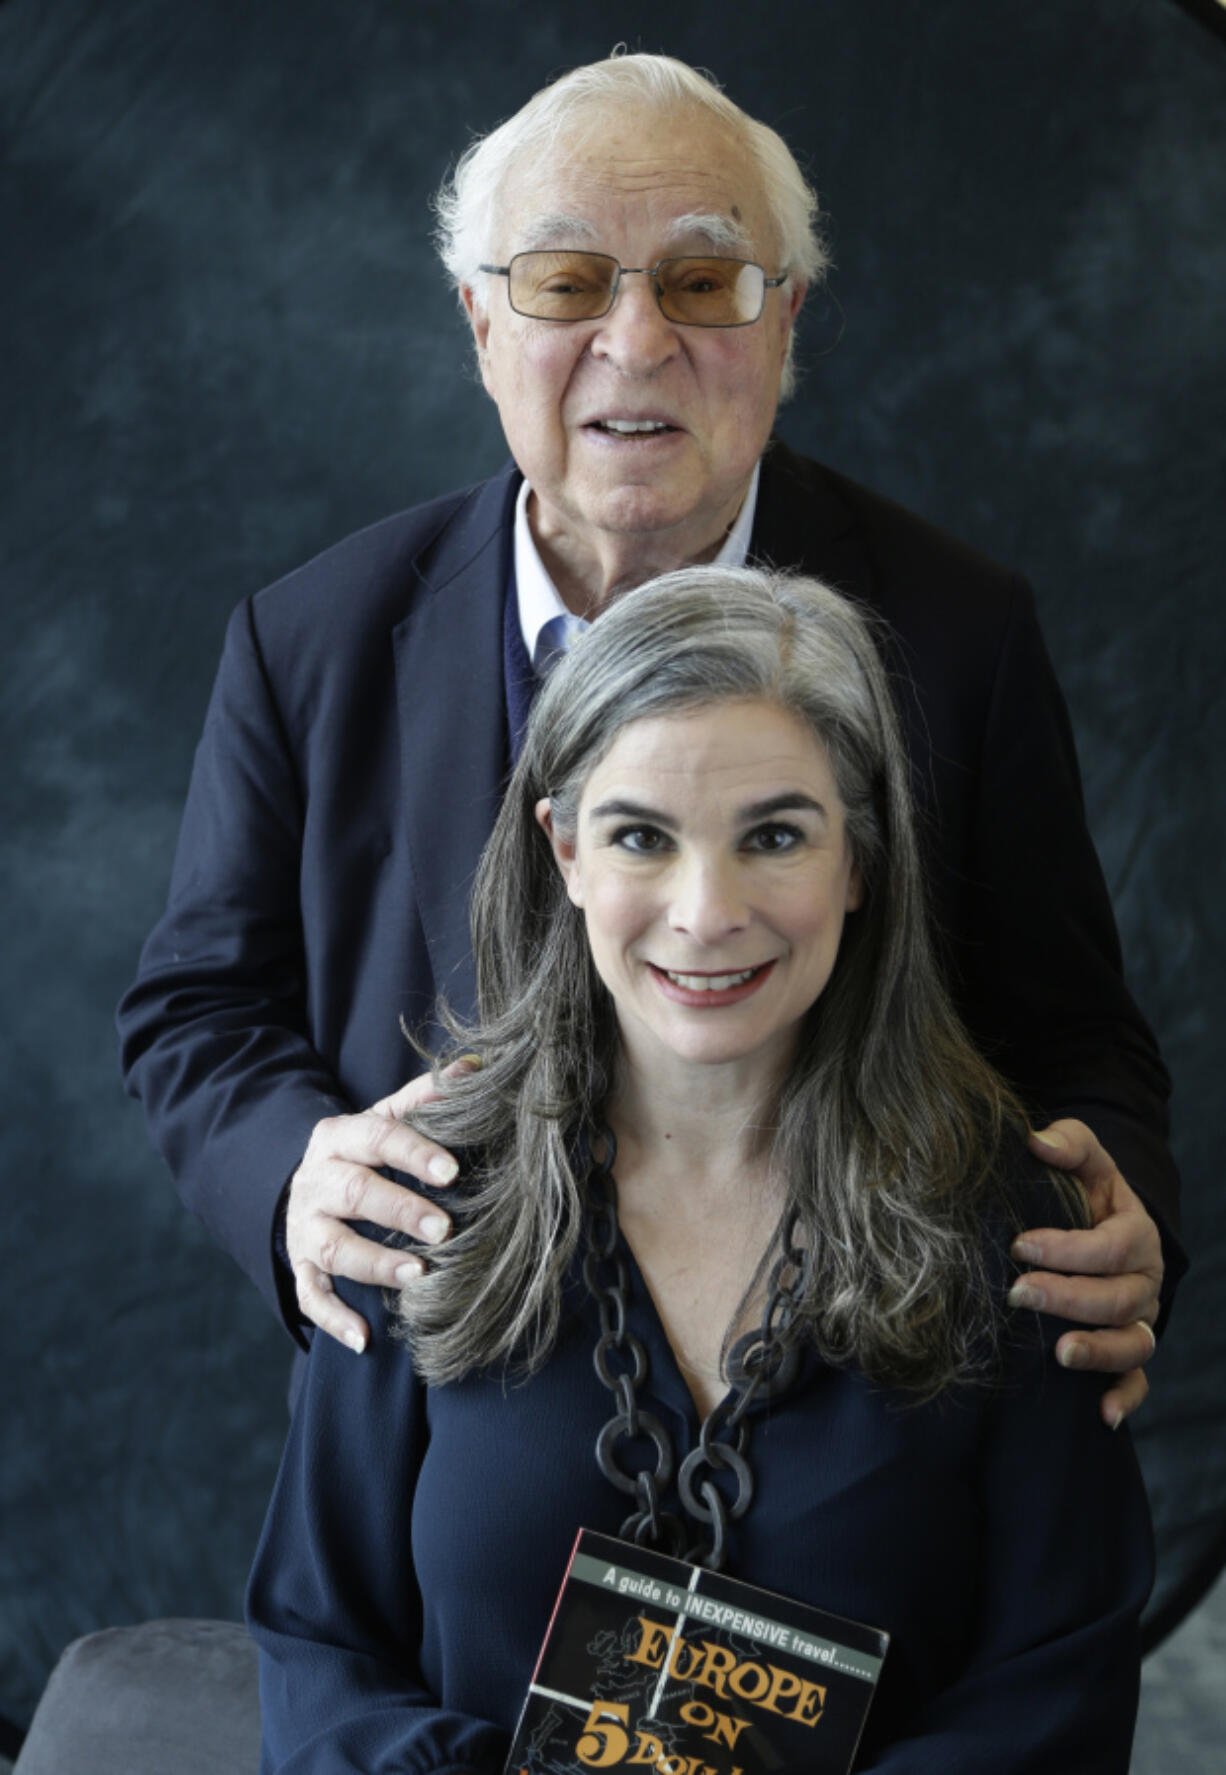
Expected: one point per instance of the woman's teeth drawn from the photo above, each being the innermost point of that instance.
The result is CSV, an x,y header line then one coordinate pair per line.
x,y
710,982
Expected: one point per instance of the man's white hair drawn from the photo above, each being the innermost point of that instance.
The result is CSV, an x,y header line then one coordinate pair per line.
x,y
466,203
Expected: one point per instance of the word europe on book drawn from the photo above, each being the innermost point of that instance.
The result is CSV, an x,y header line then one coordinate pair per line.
x,y
651,1663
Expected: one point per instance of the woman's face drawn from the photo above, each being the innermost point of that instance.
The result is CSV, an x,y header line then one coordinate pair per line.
x,y
713,872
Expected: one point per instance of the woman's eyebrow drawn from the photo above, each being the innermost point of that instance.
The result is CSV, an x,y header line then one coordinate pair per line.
x,y
792,800
633,810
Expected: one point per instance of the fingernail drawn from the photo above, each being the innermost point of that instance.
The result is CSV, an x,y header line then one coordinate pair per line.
x,y
1023,1294
433,1228
442,1168
1075,1356
1050,1137
1117,1418
1025,1252
356,1342
409,1272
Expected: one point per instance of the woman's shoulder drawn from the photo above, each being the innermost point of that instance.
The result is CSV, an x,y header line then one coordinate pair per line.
x,y
1027,1193
385,1360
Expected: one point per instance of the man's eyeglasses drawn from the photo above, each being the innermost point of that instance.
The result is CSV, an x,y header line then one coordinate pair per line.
x,y
704,292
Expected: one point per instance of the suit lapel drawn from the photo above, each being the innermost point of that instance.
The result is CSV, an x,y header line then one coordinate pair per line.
x,y
453,721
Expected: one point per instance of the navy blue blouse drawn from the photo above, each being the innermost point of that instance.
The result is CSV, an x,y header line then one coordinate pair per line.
x,y
417,1537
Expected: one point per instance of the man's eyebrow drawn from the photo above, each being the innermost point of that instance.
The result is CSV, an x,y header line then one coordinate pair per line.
x,y
791,801
617,808
552,231
721,231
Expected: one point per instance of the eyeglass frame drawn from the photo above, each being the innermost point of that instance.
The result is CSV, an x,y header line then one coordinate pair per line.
x,y
651,271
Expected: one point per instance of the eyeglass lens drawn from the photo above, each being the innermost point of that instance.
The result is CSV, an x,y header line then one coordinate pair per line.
x,y
705,292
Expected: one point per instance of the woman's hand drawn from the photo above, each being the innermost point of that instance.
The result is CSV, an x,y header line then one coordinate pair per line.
x,y
1112,1273
337,1182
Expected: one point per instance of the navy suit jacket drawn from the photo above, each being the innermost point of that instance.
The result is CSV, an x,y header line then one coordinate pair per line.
x,y
350,769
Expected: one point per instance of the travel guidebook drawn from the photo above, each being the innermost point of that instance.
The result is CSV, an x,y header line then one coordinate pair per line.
x,y
653,1664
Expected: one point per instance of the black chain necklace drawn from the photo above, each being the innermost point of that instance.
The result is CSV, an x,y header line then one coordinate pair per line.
x,y
761,1365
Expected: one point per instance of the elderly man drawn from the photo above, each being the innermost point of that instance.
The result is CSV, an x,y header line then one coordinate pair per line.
x,y
633,253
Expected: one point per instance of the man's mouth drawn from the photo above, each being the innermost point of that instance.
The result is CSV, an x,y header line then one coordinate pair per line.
x,y
631,428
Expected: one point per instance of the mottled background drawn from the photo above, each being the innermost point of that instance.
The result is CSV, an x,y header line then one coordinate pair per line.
x,y
225,342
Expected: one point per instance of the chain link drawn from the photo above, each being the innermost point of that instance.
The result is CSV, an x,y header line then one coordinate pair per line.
x,y
761,1365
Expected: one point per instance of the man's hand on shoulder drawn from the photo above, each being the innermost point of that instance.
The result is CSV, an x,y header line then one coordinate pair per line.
x,y
337,1182
1108,1276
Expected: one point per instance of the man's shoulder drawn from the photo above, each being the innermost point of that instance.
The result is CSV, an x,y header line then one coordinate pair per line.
x,y
835,527
370,577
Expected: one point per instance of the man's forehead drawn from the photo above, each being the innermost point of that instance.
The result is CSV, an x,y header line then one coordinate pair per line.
x,y
710,229
675,170
576,208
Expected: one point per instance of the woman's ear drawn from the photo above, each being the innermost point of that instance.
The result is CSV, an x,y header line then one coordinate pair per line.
x,y
564,851
855,890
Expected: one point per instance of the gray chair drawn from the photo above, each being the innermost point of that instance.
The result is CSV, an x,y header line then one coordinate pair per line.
x,y
164,1698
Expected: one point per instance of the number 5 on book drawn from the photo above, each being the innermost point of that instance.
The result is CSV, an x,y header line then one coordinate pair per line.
x,y
602,1742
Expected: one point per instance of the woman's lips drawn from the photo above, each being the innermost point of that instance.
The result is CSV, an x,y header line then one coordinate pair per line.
x,y
710,991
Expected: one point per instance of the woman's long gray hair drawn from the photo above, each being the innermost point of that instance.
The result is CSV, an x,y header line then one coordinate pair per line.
x,y
886,1129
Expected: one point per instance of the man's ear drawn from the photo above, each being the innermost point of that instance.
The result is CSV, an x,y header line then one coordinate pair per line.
x,y
565,854
479,320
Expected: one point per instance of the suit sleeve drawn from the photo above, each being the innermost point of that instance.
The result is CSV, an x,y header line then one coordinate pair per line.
x,y
1045,973
332,1602
213,1031
1067,1563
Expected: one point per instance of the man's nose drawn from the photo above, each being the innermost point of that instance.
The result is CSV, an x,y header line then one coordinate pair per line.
x,y
635,337
708,902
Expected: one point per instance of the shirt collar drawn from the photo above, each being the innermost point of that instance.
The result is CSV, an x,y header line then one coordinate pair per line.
x,y
536,594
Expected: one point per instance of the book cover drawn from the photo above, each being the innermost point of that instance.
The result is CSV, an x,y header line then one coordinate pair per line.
x,y
653,1664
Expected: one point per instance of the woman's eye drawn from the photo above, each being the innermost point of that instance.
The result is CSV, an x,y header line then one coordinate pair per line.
x,y
642,840
773,838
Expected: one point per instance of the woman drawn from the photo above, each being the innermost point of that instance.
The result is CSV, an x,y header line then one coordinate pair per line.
x,y
709,1010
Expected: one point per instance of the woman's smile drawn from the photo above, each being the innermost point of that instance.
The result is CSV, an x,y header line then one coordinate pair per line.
x,y
710,992
713,873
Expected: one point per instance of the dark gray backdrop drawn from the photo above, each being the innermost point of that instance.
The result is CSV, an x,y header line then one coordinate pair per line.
x,y
226,343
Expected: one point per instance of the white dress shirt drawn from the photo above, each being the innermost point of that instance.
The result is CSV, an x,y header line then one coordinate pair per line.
x,y
538,597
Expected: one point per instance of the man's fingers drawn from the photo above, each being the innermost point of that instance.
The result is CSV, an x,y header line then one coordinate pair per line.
x,y
342,1252
338,1182
409,1097
1091,1300
333,1189
1107,1352
1120,1401
1115,1269
320,1305
374,1139
1127,1241
1071,1146
339,1251
367,1196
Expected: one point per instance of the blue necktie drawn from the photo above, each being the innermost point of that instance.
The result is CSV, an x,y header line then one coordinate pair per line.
x,y
553,641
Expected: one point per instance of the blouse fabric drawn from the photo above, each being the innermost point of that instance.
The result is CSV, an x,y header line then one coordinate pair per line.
x,y
417,1537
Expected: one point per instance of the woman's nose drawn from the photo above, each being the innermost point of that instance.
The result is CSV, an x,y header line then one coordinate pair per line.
x,y
708,903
